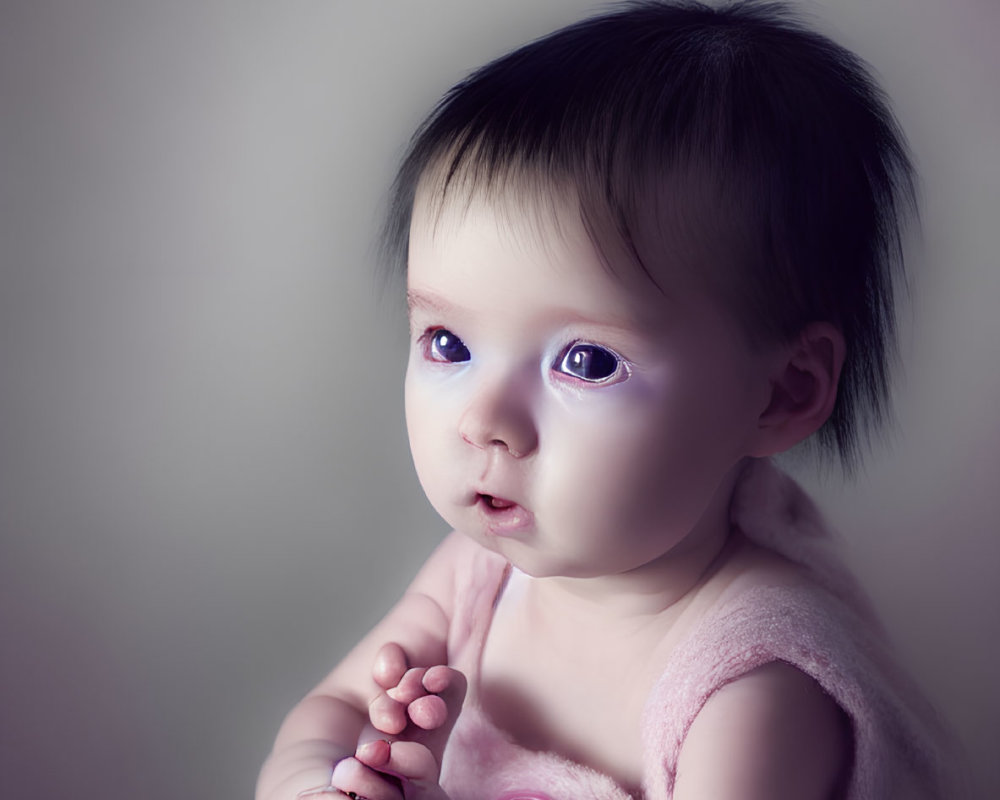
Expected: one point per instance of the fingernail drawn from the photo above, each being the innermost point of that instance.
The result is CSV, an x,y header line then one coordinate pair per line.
x,y
375,750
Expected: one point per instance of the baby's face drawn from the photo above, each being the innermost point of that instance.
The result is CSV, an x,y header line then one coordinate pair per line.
x,y
579,422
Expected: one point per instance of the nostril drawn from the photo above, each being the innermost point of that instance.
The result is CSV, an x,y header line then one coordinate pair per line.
x,y
501,444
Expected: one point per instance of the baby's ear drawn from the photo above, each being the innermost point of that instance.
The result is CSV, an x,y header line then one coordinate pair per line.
x,y
803,388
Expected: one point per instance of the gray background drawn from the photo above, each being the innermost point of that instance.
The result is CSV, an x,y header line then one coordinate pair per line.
x,y
205,492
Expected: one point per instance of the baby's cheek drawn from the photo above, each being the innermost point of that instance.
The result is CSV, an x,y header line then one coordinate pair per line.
x,y
605,426
591,449
617,458
432,405
427,424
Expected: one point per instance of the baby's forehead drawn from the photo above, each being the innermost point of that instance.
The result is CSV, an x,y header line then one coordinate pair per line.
x,y
519,205
667,242
549,230
542,226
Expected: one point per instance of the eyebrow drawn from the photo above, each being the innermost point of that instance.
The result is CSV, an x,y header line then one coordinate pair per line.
x,y
426,301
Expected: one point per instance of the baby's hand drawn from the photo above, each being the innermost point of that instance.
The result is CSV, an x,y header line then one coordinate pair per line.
x,y
383,770
420,703
418,710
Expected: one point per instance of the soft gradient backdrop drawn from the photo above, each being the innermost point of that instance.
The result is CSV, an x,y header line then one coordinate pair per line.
x,y
205,491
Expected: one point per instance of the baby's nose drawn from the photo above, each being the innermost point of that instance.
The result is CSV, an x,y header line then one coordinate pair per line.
x,y
500,415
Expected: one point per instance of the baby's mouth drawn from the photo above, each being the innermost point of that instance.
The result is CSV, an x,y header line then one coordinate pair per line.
x,y
496,502
503,516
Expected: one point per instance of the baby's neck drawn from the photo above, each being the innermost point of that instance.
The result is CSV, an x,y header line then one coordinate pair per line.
x,y
641,595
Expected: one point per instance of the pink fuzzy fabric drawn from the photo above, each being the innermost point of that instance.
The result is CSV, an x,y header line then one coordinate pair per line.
x,y
826,630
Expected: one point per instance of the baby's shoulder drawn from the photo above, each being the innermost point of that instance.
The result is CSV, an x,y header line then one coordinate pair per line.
x,y
740,687
456,553
457,567
748,567
772,732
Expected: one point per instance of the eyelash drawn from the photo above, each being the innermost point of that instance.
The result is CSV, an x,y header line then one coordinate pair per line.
x,y
435,351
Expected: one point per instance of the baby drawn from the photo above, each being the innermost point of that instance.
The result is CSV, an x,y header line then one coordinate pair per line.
x,y
643,255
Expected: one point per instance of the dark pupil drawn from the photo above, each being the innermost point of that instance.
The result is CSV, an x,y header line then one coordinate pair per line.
x,y
592,363
450,346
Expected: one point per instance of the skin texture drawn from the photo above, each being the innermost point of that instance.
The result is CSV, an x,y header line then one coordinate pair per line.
x,y
669,430
610,494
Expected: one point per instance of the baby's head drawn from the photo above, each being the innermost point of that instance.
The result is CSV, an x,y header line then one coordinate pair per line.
x,y
730,152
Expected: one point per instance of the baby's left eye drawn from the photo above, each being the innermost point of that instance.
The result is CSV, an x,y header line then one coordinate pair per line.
x,y
591,363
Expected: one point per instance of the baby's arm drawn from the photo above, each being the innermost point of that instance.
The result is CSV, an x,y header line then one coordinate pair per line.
x,y
326,726
773,733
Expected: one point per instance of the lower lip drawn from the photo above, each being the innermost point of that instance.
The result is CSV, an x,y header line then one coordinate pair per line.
x,y
505,521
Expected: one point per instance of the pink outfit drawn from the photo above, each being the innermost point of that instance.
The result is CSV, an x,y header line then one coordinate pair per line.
x,y
823,629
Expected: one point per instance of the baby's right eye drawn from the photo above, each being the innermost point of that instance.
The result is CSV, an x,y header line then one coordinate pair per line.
x,y
446,347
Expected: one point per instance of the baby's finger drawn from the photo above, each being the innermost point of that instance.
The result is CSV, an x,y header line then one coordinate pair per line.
x,y
437,717
390,665
387,716
444,680
411,761
428,712
410,686
374,753
352,776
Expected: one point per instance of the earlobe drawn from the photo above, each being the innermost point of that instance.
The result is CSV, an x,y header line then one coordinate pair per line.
x,y
803,388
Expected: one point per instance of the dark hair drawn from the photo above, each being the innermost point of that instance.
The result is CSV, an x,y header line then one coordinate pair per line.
x,y
737,121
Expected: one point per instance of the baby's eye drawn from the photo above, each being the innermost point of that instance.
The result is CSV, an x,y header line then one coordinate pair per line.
x,y
591,363
447,347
